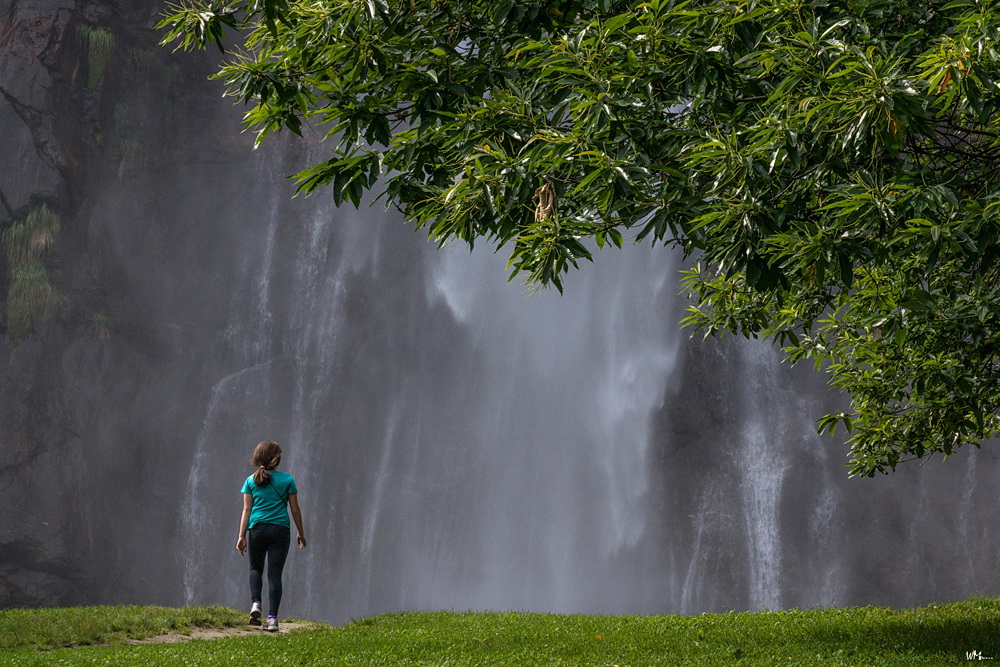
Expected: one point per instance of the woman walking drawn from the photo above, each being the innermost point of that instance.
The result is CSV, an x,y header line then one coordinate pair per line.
x,y
265,494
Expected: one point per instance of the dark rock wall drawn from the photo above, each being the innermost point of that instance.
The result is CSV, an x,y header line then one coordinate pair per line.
x,y
89,444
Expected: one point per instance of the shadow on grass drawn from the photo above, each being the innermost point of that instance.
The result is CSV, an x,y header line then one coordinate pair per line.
x,y
915,635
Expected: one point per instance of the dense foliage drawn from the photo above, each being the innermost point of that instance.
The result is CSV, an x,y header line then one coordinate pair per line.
x,y
829,165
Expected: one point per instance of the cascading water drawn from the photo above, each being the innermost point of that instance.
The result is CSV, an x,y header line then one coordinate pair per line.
x,y
230,391
965,537
459,444
505,467
573,384
763,465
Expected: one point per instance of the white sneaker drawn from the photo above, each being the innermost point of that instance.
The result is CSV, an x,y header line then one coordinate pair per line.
x,y
255,614
271,625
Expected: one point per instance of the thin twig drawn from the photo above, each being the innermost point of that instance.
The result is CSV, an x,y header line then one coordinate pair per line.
x,y
6,205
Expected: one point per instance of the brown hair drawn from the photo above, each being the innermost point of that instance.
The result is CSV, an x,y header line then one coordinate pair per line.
x,y
266,456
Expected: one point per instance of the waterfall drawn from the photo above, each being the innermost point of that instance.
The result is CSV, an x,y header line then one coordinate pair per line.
x,y
698,574
763,465
461,444
458,444
574,383
204,497
965,538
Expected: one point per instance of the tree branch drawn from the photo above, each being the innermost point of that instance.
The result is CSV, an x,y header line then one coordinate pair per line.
x,y
6,205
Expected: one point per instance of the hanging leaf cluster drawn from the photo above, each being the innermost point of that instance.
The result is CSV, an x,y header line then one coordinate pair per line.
x,y
829,165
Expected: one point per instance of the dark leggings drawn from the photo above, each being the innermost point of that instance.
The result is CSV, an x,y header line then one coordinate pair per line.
x,y
271,540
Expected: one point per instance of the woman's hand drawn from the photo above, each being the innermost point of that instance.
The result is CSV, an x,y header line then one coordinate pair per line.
x,y
293,504
241,543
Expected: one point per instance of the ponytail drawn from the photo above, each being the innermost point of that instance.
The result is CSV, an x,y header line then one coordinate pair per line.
x,y
262,477
266,456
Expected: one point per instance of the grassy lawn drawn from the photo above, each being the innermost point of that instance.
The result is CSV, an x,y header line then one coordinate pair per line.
x,y
45,629
934,635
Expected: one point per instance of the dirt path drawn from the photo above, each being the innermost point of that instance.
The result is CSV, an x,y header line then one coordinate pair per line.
x,y
216,633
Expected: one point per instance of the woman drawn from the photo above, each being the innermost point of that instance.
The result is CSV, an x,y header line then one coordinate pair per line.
x,y
265,494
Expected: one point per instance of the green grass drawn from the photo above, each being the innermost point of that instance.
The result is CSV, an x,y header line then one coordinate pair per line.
x,y
935,635
44,629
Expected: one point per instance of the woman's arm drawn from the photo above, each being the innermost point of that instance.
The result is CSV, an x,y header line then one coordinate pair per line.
x,y
293,503
241,542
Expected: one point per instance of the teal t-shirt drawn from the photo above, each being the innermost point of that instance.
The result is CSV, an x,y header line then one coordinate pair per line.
x,y
269,500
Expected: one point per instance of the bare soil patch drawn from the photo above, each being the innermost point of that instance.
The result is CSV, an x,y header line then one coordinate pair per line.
x,y
217,633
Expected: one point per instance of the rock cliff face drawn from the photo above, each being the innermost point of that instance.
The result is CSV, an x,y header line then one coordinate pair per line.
x,y
93,115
